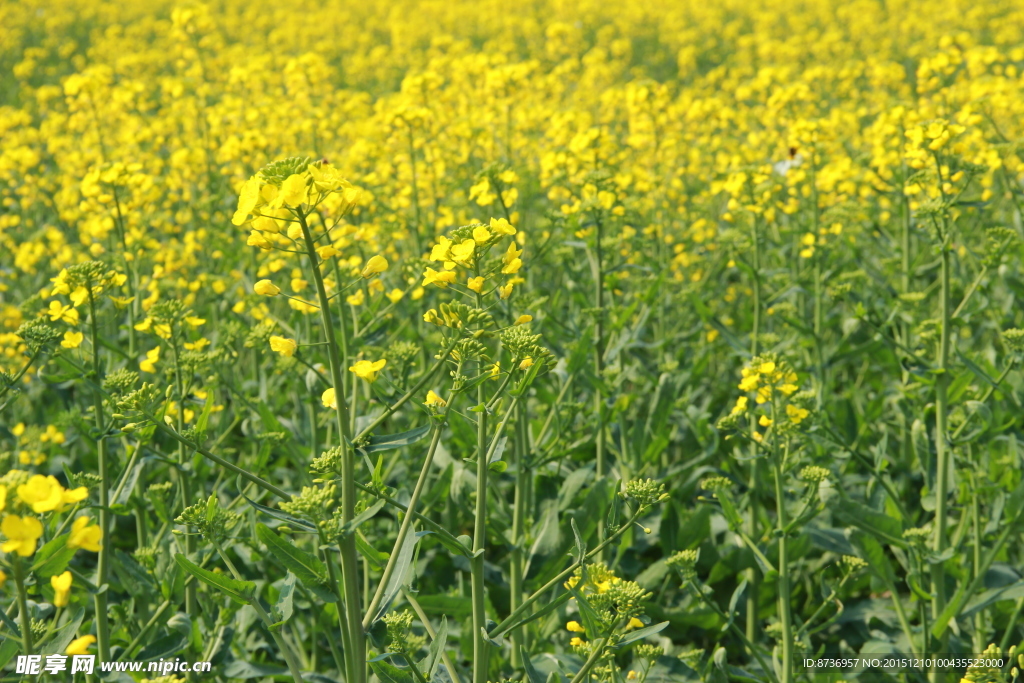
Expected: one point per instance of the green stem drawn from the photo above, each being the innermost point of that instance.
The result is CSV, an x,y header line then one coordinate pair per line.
x,y
103,562
356,658
23,613
785,603
941,436
597,268
753,577
479,544
518,518
184,478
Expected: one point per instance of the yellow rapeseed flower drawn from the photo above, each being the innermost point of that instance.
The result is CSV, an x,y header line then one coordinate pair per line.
x,y
85,536
266,288
72,339
434,401
368,370
80,646
376,265
441,279
41,493
330,399
152,356
283,345
61,584
22,534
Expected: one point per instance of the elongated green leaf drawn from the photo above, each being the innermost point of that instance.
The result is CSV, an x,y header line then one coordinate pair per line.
x,y
285,605
65,634
283,516
389,673
387,442
873,553
532,675
732,516
53,558
429,664
580,549
239,591
307,567
8,646
589,615
641,633
375,557
397,580
364,516
883,527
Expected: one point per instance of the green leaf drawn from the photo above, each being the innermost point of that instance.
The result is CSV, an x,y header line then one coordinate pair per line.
x,y
161,648
240,591
389,673
387,442
641,633
9,623
591,621
283,516
285,605
245,670
65,634
397,580
829,539
429,663
532,675
204,417
581,546
880,525
8,647
364,516
733,602
732,516
375,557
872,552
455,606
306,566
53,558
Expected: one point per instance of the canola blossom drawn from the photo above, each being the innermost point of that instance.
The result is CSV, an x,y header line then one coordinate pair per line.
x,y
656,341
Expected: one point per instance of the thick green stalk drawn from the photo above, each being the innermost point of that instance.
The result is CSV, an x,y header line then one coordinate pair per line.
x,y
355,659
785,614
103,562
191,597
597,268
518,515
753,576
979,617
479,543
26,618
941,428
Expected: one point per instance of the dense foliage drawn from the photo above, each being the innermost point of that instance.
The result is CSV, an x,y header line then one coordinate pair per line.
x,y
426,341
